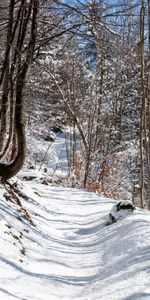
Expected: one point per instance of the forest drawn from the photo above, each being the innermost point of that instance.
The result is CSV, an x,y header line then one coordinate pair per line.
x,y
83,66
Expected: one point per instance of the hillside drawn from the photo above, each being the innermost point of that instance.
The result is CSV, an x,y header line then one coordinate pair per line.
x,y
58,243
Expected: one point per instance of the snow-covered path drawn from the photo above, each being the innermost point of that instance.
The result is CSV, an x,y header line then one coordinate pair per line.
x,y
72,252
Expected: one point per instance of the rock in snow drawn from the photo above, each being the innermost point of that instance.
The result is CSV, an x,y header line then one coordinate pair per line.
x,y
120,210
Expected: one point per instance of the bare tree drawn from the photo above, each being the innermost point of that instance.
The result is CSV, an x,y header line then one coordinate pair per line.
x,y
148,107
19,51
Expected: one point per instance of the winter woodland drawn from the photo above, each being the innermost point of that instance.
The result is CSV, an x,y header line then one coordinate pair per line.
x,y
80,69
74,134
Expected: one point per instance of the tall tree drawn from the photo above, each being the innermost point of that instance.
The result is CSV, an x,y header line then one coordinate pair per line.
x,y
148,106
19,51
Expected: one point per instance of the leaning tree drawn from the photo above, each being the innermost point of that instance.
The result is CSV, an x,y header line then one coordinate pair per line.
x,y
20,25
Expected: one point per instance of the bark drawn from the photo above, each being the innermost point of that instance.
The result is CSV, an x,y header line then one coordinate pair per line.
x,y
14,146
5,80
148,97
9,170
142,109
9,39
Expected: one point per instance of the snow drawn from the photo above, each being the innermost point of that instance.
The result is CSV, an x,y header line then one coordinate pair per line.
x,y
72,252
56,157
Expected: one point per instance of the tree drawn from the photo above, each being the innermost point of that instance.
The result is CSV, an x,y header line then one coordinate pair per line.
x,y
148,97
18,57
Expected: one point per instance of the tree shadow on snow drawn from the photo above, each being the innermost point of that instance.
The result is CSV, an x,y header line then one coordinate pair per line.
x,y
138,296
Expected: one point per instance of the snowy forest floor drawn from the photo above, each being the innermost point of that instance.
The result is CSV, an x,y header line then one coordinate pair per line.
x,y
57,243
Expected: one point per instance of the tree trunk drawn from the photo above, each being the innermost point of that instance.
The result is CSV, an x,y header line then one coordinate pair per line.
x,y
5,81
11,169
148,99
142,108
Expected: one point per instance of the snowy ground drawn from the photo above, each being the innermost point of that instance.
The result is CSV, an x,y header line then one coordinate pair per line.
x,y
52,155
72,252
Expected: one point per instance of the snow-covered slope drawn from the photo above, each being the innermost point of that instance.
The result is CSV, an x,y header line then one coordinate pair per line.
x,y
72,252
